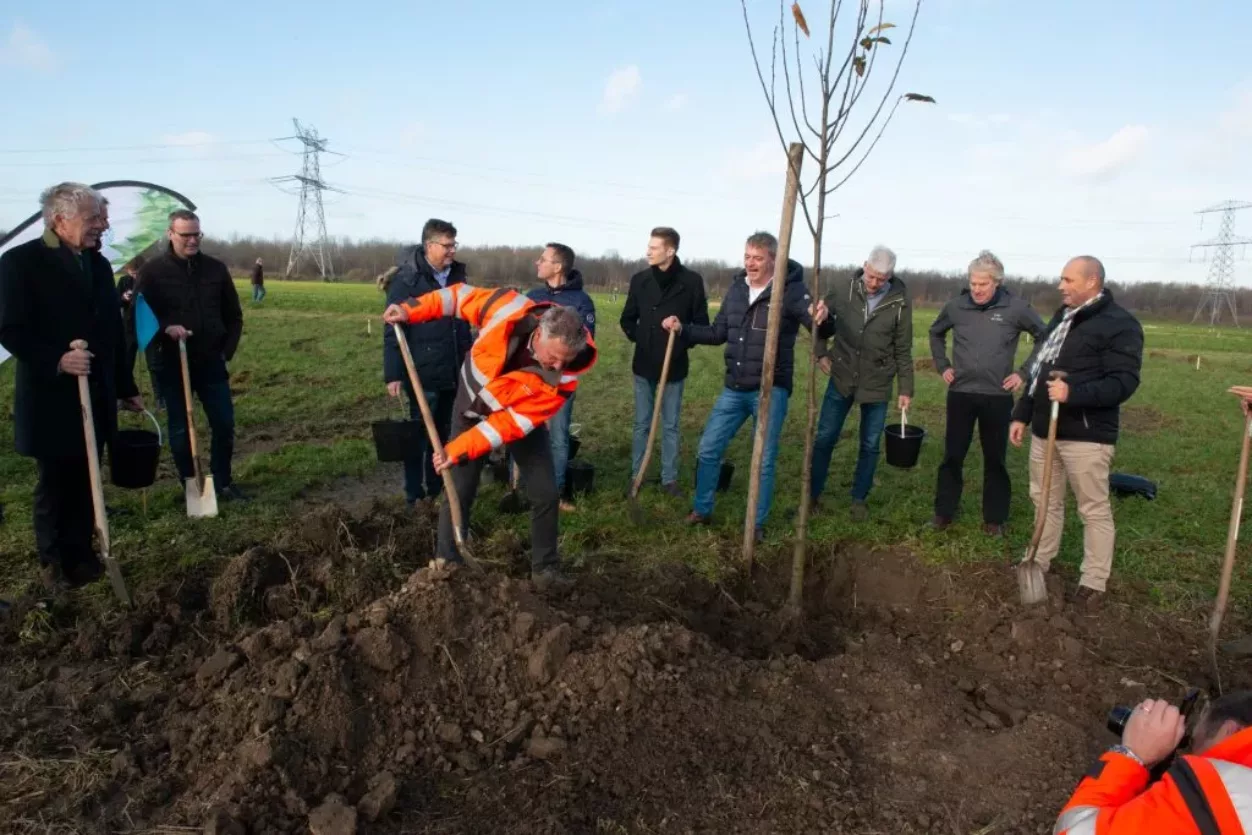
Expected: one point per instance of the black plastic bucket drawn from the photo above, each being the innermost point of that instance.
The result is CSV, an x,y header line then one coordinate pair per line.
x,y
395,440
134,456
724,476
580,477
903,448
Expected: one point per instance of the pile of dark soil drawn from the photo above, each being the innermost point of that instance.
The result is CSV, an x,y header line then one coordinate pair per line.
x,y
292,695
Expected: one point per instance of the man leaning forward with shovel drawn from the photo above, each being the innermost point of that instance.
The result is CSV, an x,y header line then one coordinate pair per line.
x,y
1098,345
521,370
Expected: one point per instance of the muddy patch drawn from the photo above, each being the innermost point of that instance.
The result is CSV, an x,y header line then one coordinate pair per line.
x,y
334,681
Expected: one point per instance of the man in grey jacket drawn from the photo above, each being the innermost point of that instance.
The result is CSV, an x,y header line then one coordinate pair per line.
x,y
986,321
872,348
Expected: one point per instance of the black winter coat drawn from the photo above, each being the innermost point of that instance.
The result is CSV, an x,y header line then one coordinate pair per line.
x,y
1102,356
45,304
653,297
438,347
741,325
199,294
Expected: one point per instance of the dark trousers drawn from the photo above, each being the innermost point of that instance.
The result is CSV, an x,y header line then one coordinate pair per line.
x,y
533,455
132,352
212,387
64,517
420,479
993,413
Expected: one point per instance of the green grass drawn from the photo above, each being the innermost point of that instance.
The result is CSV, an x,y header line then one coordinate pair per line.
x,y
308,382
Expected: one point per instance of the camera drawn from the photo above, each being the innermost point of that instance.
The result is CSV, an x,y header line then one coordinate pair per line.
x,y
1120,715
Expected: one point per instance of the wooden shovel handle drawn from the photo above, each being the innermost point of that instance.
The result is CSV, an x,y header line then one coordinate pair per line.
x,y
656,416
1232,535
1046,490
191,423
432,433
97,484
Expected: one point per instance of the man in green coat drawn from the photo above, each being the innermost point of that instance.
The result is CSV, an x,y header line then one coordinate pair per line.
x,y
873,344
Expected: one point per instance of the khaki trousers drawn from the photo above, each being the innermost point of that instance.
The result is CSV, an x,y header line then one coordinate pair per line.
x,y
1085,465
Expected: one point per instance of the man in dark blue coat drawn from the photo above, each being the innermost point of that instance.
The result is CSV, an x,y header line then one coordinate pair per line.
x,y
438,347
563,285
53,290
740,325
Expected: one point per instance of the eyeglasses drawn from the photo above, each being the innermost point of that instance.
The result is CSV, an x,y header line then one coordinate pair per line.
x,y
186,236
447,245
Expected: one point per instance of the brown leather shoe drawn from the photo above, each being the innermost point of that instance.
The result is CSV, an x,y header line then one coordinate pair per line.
x,y
992,529
1088,599
694,518
940,523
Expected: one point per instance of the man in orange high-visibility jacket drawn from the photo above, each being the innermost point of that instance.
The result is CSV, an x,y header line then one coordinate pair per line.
x,y
1205,793
523,367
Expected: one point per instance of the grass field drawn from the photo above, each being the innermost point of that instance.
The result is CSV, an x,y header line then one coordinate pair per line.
x,y
308,382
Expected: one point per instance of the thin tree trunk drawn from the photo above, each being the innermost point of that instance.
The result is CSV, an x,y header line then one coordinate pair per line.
x,y
799,553
795,158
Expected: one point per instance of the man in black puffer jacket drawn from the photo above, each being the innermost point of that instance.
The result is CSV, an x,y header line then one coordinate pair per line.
x,y
194,300
1099,345
740,325
438,347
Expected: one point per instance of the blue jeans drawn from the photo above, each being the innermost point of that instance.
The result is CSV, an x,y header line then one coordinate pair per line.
x,y
420,479
835,408
258,292
558,436
671,409
729,413
214,394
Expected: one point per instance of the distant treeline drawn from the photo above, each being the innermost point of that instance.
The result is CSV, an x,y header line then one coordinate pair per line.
x,y
359,261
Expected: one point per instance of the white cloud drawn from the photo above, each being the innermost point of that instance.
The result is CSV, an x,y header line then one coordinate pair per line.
x,y
411,133
24,49
621,88
676,102
189,139
762,160
1237,120
1104,159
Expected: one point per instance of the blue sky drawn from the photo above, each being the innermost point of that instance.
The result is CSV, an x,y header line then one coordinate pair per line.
x,y
1061,127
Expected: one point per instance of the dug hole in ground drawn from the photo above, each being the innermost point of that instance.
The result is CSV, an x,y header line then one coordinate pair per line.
x,y
334,683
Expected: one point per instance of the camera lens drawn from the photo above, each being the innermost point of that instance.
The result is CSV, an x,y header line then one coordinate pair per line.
x,y
1117,719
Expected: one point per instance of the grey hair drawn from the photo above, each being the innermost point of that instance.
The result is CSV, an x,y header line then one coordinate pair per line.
x,y
987,262
765,241
66,200
882,259
564,324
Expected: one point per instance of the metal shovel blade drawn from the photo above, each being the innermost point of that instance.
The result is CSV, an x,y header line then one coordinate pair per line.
x,y
1032,588
201,503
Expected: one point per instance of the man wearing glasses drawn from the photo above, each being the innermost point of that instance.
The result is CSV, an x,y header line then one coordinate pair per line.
x,y
194,300
438,347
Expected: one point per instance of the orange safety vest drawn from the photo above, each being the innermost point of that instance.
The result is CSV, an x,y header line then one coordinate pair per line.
x,y
1199,795
510,404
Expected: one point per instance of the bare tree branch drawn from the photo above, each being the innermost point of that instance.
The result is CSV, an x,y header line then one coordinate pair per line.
x,y
804,106
887,95
791,99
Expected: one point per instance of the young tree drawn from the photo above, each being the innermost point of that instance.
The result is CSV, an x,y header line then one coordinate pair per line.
x,y
848,126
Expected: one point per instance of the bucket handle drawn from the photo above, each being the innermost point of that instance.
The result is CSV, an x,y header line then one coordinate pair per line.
x,y
155,425
904,421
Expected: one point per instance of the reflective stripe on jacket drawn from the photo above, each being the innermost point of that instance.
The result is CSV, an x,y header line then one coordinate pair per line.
x,y
510,403
1199,795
